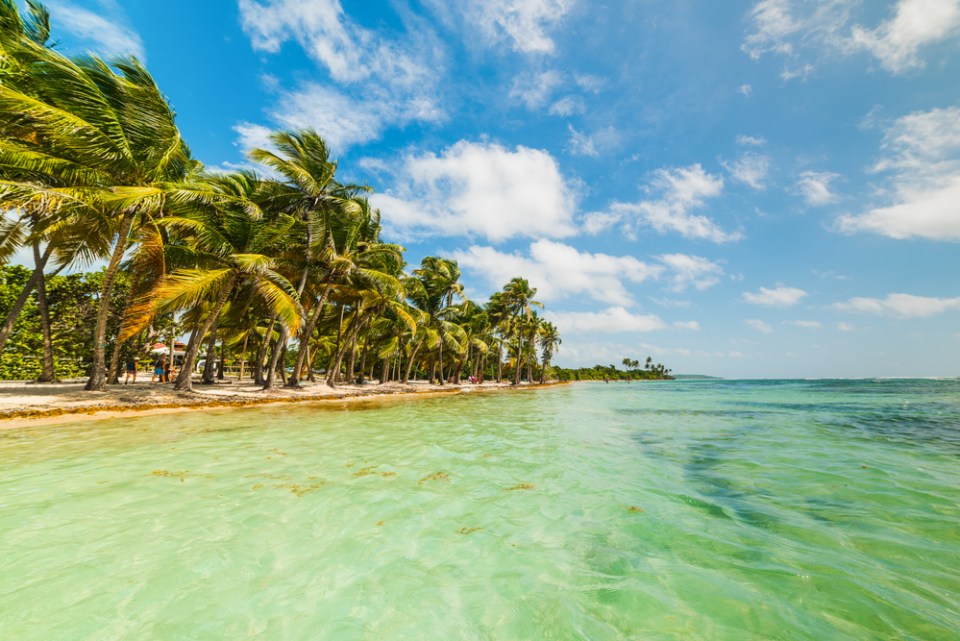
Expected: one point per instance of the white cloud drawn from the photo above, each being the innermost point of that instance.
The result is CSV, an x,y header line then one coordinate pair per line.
x,y
691,271
560,271
589,82
378,82
609,321
106,36
692,326
897,42
779,296
750,141
750,170
922,158
535,89
901,305
682,190
580,144
567,106
479,189
523,23
805,324
745,90
814,186
845,327
788,27
759,325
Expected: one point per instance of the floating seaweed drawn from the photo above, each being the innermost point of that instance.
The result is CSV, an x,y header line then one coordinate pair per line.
x,y
635,509
468,530
257,486
437,476
182,474
379,523
280,452
366,471
298,489
522,486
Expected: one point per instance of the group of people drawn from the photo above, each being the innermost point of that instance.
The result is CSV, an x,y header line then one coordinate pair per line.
x,y
162,370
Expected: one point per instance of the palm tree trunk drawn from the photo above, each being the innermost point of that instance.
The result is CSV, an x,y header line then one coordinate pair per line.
x,y
335,370
243,356
262,353
185,377
211,355
14,312
413,359
275,358
47,375
384,370
98,379
308,332
499,362
441,361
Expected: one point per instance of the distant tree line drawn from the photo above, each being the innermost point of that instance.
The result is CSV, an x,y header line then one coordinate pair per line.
x,y
631,372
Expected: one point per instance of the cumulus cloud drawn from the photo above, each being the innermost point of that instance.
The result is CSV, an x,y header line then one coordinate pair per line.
x,y
901,305
922,163
917,23
608,321
814,186
759,325
750,170
523,23
789,27
107,36
690,271
535,89
779,296
745,90
567,106
681,191
377,81
751,141
478,189
560,271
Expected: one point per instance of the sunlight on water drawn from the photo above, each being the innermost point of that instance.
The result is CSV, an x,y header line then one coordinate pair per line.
x,y
683,510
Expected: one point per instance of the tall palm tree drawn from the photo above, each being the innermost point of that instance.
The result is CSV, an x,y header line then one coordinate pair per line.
x,y
106,131
549,342
518,297
433,289
230,245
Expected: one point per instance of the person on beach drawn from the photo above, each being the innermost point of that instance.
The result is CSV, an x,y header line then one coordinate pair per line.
x,y
131,369
159,367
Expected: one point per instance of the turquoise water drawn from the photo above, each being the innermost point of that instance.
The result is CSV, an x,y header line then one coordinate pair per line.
x,y
780,510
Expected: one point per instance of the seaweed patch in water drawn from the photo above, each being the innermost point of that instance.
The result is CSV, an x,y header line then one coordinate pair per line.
x,y
636,509
468,530
366,471
278,452
438,476
522,486
182,474
298,489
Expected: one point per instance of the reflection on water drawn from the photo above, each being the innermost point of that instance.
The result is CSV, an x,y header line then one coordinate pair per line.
x,y
689,510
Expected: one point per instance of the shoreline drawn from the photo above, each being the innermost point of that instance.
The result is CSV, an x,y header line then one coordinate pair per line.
x,y
65,403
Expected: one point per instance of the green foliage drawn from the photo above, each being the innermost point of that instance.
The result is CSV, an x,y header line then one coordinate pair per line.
x,y
611,373
72,300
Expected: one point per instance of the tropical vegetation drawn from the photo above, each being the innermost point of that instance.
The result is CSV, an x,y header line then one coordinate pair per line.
x,y
280,275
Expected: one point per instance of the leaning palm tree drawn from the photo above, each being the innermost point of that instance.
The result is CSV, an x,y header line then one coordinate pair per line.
x,y
105,130
231,245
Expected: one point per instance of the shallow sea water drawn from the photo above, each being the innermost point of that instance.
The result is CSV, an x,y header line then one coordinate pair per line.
x,y
720,510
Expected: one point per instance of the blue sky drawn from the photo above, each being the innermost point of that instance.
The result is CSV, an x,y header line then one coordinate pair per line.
x,y
738,188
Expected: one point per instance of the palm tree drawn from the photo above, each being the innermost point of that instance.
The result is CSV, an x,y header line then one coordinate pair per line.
x,y
231,244
518,297
108,134
434,287
549,341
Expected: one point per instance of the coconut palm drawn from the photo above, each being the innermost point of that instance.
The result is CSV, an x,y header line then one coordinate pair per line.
x,y
549,342
518,298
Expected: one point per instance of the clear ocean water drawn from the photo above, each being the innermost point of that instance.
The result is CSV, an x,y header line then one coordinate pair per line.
x,y
685,510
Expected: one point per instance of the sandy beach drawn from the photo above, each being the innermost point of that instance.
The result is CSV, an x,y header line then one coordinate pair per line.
x,y
25,404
